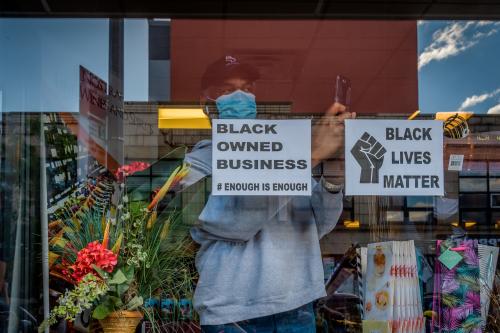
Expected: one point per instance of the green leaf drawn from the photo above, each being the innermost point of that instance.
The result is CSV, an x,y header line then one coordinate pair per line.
x,y
43,326
103,274
128,271
450,300
118,278
102,311
134,303
121,289
116,301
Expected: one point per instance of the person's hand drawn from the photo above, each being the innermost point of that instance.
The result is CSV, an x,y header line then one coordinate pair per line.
x,y
328,133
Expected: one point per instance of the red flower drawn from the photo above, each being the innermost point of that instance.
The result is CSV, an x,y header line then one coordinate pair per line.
x,y
129,169
94,254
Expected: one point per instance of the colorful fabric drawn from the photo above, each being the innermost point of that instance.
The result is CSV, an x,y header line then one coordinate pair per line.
x,y
457,299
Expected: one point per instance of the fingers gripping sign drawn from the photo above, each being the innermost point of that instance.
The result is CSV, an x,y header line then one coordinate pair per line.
x,y
328,133
369,154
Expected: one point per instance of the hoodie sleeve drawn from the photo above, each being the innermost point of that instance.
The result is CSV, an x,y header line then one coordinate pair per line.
x,y
200,163
230,218
327,208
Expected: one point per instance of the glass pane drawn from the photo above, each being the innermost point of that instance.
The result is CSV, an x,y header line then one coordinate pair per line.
x,y
474,217
419,202
395,216
495,200
494,184
494,168
348,202
473,200
495,219
474,168
97,114
346,215
420,216
396,202
473,185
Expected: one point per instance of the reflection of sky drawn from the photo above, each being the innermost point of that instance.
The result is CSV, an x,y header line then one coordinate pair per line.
x,y
136,60
459,66
40,58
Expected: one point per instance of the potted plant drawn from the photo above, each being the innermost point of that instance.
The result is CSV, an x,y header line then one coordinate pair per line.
x,y
115,257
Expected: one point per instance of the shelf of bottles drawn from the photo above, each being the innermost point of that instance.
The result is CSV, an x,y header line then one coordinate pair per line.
x,y
68,163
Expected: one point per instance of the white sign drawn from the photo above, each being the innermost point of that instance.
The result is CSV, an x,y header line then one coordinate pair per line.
x,y
456,162
394,157
261,157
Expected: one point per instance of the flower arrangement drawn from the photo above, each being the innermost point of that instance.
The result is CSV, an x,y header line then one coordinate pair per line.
x,y
122,172
96,254
115,258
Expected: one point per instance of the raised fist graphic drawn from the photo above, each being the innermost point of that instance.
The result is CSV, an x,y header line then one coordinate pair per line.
x,y
369,153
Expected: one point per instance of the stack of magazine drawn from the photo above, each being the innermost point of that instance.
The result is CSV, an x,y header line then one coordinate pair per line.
x,y
392,299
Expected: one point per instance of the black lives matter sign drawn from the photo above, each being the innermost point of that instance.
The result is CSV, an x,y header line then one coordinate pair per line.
x,y
261,157
394,157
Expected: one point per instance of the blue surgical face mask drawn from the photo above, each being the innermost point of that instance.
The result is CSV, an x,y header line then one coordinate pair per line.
x,y
237,105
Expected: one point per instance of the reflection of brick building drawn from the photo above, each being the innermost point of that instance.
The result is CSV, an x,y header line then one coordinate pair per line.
x,y
471,201
298,60
143,140
472,198
478,184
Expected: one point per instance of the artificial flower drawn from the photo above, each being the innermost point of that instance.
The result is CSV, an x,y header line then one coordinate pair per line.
x,y
179,173
94,254
129,169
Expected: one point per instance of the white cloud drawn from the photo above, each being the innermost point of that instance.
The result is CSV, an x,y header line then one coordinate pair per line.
x,y
477,99
484,23
474,100
455,38
485,34
494,110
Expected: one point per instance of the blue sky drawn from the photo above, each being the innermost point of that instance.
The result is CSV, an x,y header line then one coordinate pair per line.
x,y
40,58
459,66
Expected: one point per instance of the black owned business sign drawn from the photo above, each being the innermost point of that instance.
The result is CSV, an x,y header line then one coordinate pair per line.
x,y
261,157
394,157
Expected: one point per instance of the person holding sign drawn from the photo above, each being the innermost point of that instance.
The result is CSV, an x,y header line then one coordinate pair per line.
x,y
259,260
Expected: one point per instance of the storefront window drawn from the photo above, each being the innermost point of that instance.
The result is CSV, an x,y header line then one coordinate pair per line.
x,y
257,175
475,184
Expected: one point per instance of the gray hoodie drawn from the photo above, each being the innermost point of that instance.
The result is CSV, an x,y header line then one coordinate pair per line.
x,y
259,255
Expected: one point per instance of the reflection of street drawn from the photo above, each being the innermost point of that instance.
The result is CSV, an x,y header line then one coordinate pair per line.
x,y
401,215
20,221
422,219
4,292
